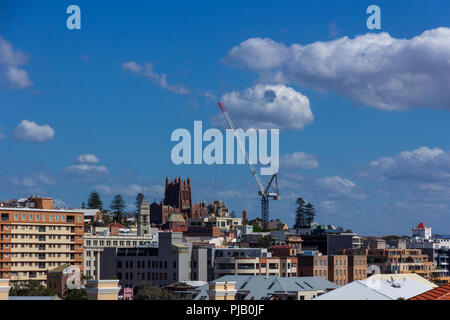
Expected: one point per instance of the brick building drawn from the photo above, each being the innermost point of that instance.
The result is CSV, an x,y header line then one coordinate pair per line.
x,y
177,199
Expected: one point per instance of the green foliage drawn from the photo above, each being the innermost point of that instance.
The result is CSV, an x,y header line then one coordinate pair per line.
x,y
266,241
257,228
310,214
30,288
147,292
76,294
302,216
138,200
117,206
94,201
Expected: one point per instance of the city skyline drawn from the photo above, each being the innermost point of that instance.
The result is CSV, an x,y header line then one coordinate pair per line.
x,y
93,109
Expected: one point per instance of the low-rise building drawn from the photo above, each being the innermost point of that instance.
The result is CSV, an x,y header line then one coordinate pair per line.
x,y
271,287
174,260
381,287
95,243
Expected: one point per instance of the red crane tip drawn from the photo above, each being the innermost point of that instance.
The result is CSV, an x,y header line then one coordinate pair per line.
x,y
221,106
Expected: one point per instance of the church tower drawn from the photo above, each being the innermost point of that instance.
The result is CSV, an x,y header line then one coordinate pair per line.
x,y
143,217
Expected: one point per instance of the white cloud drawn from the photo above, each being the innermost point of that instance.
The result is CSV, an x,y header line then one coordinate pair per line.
x,y
10,60
209,95
328,205
87,169
131,190
17,77
267,106
325,188
87,158
32,132
299,160
423,164
338,186
374,69
33,180
148,71
60,203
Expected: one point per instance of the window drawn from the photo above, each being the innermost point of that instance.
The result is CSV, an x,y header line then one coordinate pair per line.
x,y
16,216
30,217
37,216
50,217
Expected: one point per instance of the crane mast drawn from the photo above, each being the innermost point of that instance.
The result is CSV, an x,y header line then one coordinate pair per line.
x,y
263,192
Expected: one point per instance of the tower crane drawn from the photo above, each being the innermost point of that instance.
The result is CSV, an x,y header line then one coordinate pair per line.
x,y
265,193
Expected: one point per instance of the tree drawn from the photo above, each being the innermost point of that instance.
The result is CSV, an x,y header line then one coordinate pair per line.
x,y
310,214
117,206
147,292
83,205
266,241
76,294
30,288
138,200
300,219
94,201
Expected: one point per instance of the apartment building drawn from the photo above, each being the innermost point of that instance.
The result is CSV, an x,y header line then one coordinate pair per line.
x,y
338,269
174,260
35,240
313,266
396,260
357,268
252,261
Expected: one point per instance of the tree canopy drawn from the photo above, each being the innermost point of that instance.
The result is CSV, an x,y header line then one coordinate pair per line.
x,y
117,206
30,288
148,292
94,201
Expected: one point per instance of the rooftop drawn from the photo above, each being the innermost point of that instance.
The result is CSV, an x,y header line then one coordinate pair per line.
x,y
263,287
439,293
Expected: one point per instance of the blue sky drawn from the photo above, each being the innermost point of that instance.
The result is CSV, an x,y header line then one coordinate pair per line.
x,y
374,158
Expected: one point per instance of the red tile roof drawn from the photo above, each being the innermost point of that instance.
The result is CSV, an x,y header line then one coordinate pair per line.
x,y
439,293
421,226
116,225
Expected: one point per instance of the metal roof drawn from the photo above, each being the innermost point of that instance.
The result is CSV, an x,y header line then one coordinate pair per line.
x,y
263,287
376,288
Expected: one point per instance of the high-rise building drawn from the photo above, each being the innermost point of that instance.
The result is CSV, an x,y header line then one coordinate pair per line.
x,y
35,240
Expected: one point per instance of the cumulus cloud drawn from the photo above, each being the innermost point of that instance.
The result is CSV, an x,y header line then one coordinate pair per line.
x,y
32,132
10,60
337,186
424,164
329,188
299,160
374,69
267,106
147,70
87,158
